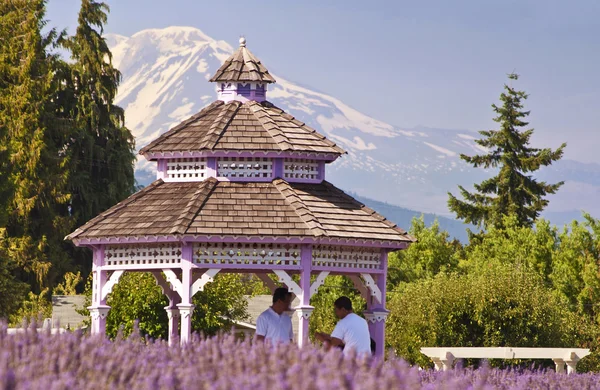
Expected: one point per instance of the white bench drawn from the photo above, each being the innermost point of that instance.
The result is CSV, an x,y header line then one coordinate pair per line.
x,y
443,357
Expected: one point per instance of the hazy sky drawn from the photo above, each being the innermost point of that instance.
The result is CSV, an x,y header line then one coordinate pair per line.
x,y
431,63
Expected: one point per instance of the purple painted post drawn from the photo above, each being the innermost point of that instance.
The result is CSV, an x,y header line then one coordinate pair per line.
x,y
321,174
278,168
186,309
211,167
305,310
161,169
173,315
98,309
377,313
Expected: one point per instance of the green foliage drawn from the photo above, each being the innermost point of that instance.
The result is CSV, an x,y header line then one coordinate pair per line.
x,y
576,265
501,306
531,250
430,255
323,318
32,165
35,308
12,291
100,146
70,282
137,297
513,191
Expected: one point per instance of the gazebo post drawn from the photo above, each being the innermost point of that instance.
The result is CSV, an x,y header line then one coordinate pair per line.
x,y
186,308
377,313
305,310
98,309
174,316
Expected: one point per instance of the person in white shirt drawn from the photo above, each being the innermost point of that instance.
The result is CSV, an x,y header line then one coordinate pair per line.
x,y
351,331
274,324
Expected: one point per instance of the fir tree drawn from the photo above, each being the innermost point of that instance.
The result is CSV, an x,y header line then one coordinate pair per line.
x,y
513,191
101,147
32,168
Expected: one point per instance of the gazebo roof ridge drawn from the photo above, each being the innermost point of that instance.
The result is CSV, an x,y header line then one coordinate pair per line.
x,y
116,208
242,66
242,126
266,209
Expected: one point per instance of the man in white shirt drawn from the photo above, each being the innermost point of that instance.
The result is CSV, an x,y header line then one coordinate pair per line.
x,y
351,331
274,324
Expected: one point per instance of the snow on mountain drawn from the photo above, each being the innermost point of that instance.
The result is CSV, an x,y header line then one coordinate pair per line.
x,y
165,80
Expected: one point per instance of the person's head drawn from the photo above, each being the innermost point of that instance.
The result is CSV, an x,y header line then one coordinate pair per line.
x,y
282,300
342,307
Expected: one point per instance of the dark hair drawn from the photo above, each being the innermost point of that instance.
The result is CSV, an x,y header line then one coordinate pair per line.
x,y
280,294
343,303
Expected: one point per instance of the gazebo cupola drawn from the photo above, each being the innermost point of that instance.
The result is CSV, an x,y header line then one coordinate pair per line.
x,y
241,188
242,77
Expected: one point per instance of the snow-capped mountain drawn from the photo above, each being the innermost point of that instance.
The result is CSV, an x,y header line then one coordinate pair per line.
x,y
165,80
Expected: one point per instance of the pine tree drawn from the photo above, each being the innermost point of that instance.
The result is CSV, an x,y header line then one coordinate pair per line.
x,y
32,167
101,147
513,191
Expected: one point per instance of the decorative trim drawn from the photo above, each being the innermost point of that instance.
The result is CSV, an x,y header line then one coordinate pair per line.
x,y
176,284
264,277
304,312
329,157
238,254
334,256
318,282
288,281
110,283
376,316
393,245
359,285
185,310
98,312
372,286
168,252
206,278
172,312
185,169
301,169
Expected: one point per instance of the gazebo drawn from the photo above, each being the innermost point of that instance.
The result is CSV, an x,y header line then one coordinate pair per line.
x,y
241,188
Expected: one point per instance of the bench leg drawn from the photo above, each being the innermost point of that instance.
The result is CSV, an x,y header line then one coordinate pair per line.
x,y
560,365
572,366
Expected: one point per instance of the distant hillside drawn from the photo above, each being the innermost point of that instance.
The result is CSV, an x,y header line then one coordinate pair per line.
x,y
403,217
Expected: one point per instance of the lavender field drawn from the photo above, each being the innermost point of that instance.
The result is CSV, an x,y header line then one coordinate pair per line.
x,y
74,361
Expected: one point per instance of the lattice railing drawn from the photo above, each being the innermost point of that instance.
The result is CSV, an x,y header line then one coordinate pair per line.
x,y
300,169
186,169
142,254
245,167
246,254
346,257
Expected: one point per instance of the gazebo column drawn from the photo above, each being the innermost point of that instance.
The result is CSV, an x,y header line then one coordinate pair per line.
x,y
377,314
172,310
186,308
98,309
173,315
305,310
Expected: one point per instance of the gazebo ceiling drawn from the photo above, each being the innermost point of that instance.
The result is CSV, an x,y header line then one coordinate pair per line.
x,y
249,126
220,208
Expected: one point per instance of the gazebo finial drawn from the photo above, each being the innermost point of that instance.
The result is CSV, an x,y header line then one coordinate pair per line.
x,y
242,41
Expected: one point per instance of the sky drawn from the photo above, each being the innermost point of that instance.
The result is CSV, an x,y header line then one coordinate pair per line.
x,y
438,64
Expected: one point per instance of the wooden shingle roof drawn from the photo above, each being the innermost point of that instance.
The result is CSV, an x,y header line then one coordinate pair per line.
x,y
236,126
214,208
242,66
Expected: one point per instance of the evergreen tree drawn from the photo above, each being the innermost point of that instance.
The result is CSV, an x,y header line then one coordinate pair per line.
x,y
513,191
32,167
101,147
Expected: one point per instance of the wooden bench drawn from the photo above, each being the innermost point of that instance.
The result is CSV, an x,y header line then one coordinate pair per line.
x,y
443,357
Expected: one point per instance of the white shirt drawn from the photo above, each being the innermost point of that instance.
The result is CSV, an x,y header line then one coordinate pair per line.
x,y
276,328
353,330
